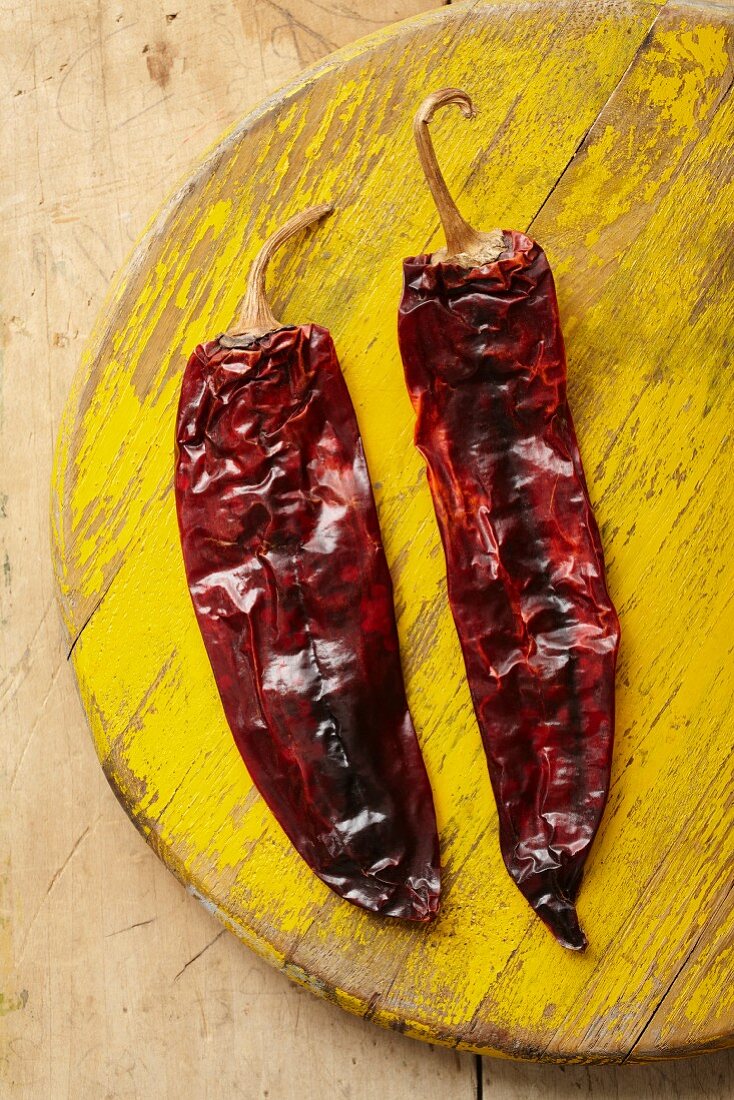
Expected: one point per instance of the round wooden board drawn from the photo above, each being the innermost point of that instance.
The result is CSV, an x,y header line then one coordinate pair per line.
x,y
603,130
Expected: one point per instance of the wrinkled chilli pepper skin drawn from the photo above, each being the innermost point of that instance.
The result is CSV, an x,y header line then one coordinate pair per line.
x,y
293,597
485,367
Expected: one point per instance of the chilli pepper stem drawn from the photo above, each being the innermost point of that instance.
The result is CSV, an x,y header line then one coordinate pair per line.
x,y
256,318
465,245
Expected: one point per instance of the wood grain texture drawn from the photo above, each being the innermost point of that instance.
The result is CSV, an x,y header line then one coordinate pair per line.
x,y
627,105
114,981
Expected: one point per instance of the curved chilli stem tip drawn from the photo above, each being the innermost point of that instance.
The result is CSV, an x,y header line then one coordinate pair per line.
x,y
464,244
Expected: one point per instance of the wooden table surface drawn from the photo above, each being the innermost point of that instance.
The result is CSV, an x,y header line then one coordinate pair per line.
x,y
115,983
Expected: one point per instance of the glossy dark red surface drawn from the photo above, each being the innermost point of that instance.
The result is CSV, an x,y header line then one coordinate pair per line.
x,y
486,370
293,597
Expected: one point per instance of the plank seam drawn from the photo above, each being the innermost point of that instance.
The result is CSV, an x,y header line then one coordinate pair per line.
x,y
633,61
648,37
675,977
94,610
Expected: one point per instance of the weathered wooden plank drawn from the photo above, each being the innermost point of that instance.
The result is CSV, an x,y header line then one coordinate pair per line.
x,y
692,1077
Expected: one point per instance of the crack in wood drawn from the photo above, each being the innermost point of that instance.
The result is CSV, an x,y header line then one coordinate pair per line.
x,y
199,953
675,977
633,61
51,886
129,928
93,612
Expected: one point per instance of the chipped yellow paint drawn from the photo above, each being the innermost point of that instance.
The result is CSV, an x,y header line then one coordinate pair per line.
x,y
605,129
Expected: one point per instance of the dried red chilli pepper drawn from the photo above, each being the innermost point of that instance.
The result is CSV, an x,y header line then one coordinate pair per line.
x,y
485,366
293,597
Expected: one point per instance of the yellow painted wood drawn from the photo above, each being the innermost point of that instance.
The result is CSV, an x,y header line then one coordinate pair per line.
x,y
605,129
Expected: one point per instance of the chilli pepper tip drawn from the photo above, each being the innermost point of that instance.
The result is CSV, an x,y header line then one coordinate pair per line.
x,y
561,918
418,906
